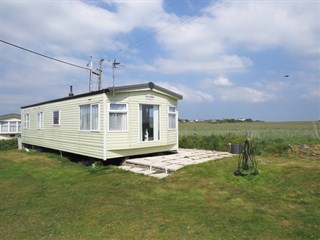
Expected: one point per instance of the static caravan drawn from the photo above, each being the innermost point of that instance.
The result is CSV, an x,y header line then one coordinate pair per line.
x,y
110,123
10,126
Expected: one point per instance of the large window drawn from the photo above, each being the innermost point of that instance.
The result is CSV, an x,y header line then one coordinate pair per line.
x,y
40,120
89,117
56,117
172,118
118,116
10,126
149,123
27,120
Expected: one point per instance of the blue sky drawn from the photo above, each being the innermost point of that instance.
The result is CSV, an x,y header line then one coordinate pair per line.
x,y
227,58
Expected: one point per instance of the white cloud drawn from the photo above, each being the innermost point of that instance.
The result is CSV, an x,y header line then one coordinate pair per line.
x,y
189,94
220,64
206,43
219,82
245,94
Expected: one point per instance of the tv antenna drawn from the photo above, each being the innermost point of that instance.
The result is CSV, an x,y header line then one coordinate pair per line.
x,y
114,66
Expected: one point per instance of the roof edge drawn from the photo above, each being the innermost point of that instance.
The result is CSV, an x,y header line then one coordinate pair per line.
x,y
149,85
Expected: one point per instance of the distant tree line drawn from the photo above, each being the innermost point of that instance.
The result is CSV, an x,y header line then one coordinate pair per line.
x,y
225,120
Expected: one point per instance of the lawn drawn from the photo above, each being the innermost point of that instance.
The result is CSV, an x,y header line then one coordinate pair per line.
x,y
48,197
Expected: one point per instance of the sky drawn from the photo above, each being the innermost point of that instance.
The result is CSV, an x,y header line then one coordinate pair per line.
x,y
229,58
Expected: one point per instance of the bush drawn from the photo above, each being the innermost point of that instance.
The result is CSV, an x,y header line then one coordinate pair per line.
x,y
220,143
8,144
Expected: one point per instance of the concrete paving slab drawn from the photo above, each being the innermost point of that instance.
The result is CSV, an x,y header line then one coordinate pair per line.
x,y
171,162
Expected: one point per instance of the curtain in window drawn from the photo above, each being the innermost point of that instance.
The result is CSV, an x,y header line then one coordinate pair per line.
x,y
118,121
85,117
95,116
27,120
4,126
40,120
13,126
172,120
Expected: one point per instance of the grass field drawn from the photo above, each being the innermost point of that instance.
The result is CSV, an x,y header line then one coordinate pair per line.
x,y
296,132
48,197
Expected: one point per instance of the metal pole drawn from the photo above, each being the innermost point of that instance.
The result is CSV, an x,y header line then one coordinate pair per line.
x,y
100,73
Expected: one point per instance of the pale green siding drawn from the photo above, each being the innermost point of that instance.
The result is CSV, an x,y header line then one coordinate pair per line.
x,y
68,137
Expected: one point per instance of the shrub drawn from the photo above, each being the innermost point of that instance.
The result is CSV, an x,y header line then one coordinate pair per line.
x,y
8,144
220,143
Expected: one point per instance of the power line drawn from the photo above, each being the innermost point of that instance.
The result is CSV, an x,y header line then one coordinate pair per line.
x,y
42,55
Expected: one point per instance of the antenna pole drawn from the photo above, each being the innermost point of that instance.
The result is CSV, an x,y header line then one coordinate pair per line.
x,y
113,67
100,73
90,75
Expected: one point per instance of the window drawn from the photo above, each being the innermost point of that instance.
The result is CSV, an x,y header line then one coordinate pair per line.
x,y
89,117
56,117
172,118
118,116
13,126
27,120
149,122
4,126
40,120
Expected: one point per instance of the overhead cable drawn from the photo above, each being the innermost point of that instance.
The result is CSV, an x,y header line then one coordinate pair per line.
x,y
42,55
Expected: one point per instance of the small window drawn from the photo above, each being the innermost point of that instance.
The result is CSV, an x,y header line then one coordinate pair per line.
x,y
40,120
89,117
27,120
118,116
56,117
172,118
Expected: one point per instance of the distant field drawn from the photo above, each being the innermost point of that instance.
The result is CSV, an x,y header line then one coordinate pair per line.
x,y
292,131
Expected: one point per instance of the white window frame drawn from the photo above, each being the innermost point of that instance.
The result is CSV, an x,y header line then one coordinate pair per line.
x,y
59,119
124,112
172,113
27,121
90,118
40,120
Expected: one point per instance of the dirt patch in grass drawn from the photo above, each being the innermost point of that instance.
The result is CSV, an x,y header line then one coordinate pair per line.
x,y
305,150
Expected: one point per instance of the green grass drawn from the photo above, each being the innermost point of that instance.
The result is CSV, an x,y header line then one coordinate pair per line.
x,y
266,137
48,197
296,132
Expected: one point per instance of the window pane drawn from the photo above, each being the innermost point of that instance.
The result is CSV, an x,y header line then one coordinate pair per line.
x,y
13,126
172,109
95,117
27,120
118,106
40,120
118,121
85,117
56,117
4,126
172,121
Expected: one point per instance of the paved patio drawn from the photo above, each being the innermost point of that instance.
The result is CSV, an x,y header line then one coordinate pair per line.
x,y
164,165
